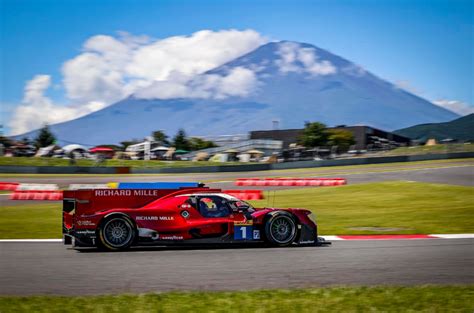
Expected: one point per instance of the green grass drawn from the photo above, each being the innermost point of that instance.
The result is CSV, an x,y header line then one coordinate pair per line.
x,y
413,208
334,299
440,148
31,221
407,207
25,161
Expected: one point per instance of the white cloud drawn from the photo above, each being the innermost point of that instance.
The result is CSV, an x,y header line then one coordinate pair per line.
x,y
112,68
455,106
295,58
37,109
458,107
407,86
239,81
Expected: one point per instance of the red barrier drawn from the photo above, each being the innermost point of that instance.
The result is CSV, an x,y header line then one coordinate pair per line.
x,y
306,181
245,194
8,186
53,195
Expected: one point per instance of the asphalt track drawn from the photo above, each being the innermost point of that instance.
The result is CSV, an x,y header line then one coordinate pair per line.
x,y
51,268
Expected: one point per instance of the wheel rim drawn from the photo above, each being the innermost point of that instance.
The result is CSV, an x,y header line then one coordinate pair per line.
x,y
282,229
117,232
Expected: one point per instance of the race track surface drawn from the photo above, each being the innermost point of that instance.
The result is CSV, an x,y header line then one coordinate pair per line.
x,y
51,268
457,172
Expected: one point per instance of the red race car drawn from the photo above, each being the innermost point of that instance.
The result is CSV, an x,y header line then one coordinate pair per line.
x,y
177,213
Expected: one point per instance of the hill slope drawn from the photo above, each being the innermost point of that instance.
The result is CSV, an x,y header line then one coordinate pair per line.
x,y
293,83
461,129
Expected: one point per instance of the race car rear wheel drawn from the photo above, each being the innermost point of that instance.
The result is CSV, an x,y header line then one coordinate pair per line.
x,y
280,229
117,233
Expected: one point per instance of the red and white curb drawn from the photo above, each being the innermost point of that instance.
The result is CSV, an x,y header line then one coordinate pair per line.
x,y
328,238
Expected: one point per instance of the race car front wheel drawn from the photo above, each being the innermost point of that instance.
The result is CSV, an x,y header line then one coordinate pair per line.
x,y
116,233
280,229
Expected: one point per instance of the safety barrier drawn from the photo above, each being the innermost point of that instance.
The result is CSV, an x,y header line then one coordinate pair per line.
x,y
245,194
41,187
88,186
54,195
8,186
290,181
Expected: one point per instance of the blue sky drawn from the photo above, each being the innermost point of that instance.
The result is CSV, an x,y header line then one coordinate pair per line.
x,y
427,46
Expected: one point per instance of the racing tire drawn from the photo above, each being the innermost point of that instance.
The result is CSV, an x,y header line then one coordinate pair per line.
x,y
116,233
280,229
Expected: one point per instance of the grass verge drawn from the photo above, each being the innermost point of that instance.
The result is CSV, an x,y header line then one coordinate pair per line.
x,y
25,161
335,299
35,221
399,207
439,148
377,208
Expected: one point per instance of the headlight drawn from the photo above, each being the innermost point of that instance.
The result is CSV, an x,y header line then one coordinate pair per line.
x,y
312,217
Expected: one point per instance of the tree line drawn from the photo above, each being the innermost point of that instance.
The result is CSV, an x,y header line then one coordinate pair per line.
x,y
317,134
180,141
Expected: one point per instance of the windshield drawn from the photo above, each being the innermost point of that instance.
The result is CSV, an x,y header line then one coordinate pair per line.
x,y
241,205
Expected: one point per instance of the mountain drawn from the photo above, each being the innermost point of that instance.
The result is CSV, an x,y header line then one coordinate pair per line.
x,y
292,83
461,129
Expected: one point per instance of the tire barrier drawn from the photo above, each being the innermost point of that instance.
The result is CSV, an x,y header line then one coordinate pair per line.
x,y
53,195
290,181
8,186
245,194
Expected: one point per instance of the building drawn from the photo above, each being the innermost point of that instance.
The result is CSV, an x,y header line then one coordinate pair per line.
x,y
366,137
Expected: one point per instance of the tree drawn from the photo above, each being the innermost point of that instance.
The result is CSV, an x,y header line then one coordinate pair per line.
x,y
45,137
160,136
6,142
180,142
341,138
314,135
26,141
199,144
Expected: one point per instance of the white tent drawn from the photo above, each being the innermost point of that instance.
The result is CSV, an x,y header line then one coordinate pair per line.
x,y
69,148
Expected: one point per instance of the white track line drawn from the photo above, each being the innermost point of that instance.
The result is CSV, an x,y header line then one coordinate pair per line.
x,y
453,236
31,240
328,238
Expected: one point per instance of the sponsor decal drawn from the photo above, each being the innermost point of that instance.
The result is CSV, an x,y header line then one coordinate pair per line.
x,y
166,218
85,232
146,218
126,192
186,206
154,218
185,214
243,223
306,242
173,237
85,223
256,234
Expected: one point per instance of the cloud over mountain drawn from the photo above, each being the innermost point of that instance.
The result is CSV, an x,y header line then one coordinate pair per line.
x,y
37,109
111,68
